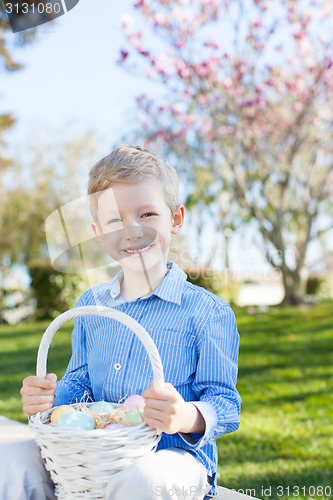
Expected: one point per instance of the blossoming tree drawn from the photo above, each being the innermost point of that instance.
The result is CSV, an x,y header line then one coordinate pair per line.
x,y
248,110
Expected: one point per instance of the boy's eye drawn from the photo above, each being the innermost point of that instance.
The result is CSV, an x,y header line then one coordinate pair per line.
x,y
148,214
113,221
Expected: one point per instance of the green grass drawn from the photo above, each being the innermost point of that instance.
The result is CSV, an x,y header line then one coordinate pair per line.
x,y
18,355
286,382
285,379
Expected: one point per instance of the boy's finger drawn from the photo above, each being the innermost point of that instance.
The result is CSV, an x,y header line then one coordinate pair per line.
x,y
42,383
52,377
33,409
38,393
39,400
162,392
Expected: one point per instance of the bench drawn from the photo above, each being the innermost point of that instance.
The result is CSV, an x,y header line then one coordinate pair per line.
x,y
13,432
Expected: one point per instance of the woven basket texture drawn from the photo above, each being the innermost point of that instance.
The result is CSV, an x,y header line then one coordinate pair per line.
x,y
82,463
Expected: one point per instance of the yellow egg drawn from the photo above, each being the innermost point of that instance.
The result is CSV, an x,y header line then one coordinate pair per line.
x,y
59,412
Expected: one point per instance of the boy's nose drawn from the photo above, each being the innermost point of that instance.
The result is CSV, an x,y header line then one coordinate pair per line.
x,y
133,232
141,235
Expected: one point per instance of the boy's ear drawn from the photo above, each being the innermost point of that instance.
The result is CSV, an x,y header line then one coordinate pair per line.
x,y
178,219
98,233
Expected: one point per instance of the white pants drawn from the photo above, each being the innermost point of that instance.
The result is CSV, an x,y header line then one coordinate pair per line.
x,y
172,474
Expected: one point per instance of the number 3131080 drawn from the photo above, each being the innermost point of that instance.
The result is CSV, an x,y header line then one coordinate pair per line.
x,y
312,491
40,7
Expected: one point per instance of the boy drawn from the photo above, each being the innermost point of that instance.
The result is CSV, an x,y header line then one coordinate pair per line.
x,y
133,201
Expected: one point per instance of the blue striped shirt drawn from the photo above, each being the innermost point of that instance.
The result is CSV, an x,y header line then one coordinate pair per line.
x,y
196,335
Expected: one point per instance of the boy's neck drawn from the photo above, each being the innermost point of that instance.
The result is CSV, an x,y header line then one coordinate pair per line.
x,y
140,284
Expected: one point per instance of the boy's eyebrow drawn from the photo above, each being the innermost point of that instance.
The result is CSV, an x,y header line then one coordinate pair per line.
x,y
149,206
115,210
108,212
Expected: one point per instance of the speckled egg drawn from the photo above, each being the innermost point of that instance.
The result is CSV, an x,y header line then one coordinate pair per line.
x,y
133,417
114,427
59,412
133,402
77,420
101,407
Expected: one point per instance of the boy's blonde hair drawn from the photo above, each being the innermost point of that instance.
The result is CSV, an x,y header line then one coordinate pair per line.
x,y
131,164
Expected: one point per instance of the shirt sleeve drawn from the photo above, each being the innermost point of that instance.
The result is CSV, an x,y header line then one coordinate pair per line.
x,y
216,377
75,385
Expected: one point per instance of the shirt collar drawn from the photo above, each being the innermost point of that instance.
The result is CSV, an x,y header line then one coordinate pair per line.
x,y
170,288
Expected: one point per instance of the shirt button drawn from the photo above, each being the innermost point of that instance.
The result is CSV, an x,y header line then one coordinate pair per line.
x,y
117,366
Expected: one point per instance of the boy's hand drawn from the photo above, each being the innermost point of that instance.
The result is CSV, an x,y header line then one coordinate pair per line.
x,y
166,410
38,393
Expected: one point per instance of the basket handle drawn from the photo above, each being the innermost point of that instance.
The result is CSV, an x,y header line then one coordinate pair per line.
x,y
142,334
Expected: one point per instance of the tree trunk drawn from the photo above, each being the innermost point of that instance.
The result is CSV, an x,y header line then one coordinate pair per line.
x,y
294,283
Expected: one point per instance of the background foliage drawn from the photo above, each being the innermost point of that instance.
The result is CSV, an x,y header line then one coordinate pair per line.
x,y
246,113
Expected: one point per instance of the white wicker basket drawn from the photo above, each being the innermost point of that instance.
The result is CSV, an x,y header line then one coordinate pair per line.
x,y
81,463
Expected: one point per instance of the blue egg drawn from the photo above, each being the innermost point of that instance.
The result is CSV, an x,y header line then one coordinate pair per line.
x,y
101,407
77,420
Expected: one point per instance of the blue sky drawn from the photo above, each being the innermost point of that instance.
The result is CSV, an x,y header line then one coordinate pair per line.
x,y
70,78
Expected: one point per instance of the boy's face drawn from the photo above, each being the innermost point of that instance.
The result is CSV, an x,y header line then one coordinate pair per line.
x,y
135,224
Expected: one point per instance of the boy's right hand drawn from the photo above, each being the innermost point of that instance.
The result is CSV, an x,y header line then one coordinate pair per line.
x,y
38,393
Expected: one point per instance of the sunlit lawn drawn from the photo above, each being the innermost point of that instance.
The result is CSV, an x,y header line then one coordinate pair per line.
x,y
285,442
286,383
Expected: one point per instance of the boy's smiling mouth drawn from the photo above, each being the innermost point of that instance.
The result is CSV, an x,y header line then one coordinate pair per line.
x,y
138,250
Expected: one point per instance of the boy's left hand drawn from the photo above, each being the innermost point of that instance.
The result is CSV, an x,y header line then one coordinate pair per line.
x,y
166,410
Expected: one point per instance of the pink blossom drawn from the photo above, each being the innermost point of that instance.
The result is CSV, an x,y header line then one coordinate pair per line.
x,y
203,99
188,120
164,106
161,19
211,44
143,52
162,134
251,102
127,22
227,83
297,107
160,70
180,44
124,55
255,25
326,9
265,6
133,38
206,125
186,95
176,109
182,70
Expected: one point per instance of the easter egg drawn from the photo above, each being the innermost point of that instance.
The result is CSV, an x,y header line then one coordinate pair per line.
x,y
114,427
59,412
133,417
76,420
101,407
133,402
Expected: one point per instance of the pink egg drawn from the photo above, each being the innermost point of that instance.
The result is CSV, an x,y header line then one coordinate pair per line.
x,y
133,402
113,427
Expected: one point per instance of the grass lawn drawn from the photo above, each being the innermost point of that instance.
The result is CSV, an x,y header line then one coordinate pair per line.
x,y
284,446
